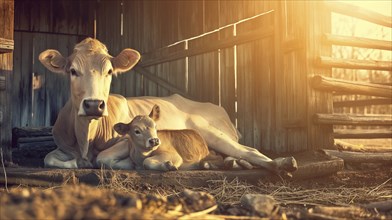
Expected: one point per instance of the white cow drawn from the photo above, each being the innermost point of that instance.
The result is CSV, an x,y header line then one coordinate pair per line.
x,y
86,122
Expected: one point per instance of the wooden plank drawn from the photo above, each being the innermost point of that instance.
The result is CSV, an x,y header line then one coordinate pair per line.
x,y
245,93
16,80
339,85
361,157
6,45
38,83
221,44
227,77
354,63
362,102
352,119
361,13
161,82
362,134
25,85
2,83
358,42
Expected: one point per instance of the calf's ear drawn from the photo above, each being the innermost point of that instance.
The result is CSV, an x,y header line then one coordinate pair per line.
x,y
125,60
121,128
53,61
155,113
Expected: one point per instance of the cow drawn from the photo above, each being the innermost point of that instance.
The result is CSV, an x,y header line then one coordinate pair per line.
x,y
164,150
85,123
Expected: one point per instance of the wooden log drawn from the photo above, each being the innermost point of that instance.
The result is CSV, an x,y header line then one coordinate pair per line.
x,y
362,102
360,157
35,139
31,132
383,206
36,145
354,63
362,134
339,85
352,119
361,13
358,42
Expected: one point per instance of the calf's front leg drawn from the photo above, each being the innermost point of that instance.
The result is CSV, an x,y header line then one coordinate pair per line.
x,y
163,162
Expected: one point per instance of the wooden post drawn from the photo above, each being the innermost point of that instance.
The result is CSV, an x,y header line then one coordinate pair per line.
x,y
318,22
6,62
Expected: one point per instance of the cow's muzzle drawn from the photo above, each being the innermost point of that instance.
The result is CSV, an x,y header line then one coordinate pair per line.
x,y
94,107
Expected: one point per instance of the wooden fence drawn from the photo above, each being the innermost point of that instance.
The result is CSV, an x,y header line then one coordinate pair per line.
x,y
380,94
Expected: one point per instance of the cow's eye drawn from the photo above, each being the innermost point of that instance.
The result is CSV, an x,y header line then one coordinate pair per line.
x,y
137,132
110,72
73,72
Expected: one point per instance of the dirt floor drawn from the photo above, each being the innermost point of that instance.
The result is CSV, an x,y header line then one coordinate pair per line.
x,y
359,191
346,194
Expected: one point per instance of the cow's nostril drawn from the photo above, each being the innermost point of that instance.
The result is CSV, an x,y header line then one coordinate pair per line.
x,y
86,105
102,105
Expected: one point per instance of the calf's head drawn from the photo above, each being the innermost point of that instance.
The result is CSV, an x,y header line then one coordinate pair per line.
x,y
90,68
142,130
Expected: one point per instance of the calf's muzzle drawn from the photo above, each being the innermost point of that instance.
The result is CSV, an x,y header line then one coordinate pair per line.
x,y
94,107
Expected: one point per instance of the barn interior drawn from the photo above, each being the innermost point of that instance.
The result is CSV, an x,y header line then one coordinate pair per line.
x,y
268,63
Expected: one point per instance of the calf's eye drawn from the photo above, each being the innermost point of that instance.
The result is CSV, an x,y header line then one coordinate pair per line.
x,y
110,72
73,72
137,132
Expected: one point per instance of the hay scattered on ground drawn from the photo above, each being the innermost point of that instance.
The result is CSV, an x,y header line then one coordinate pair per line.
x,y
287,193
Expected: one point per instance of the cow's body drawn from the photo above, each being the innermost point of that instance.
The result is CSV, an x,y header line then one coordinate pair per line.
x,y
85,122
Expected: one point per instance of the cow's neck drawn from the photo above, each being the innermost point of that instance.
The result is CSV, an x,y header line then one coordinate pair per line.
x,y
136,155
85,130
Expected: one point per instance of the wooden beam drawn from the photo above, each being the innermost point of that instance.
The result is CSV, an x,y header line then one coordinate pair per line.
x,y
6,45
358,42
352,119
361,13
160,81
353,87
354,63
150,59
361,157
362,134
362,102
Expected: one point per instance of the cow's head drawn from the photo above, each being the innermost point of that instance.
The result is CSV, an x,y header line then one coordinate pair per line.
x,y
90,68
143,131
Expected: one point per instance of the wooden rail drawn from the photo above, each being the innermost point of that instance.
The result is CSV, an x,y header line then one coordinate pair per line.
x,y
6,45
352,119
160,81
345,86
362,102
360,13
358,42
354,63
153,58
362,134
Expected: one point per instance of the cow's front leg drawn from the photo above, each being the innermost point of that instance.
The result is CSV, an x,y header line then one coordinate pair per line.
x,y
163,162
116,156
59,159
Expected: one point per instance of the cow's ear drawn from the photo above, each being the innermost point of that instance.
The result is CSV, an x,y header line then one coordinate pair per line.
x,y
53,61
122,128
125,60
155,113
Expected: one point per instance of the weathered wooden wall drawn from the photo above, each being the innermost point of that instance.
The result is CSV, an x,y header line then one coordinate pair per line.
x,y
257,69
39,94
6,48
262,83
